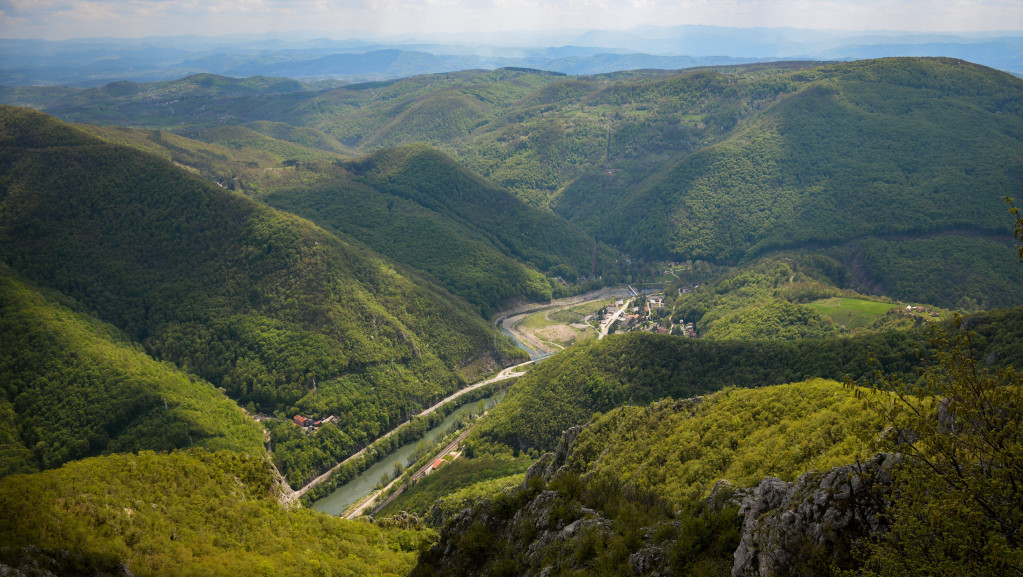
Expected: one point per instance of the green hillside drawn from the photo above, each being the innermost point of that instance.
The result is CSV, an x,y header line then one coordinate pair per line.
x,y
75,387
253,300
719,164
423,230
811,478
638,368
414,205
895,146
186,513
634,484
785,298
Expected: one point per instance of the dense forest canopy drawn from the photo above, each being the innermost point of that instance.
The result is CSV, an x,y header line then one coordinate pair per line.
x,y
214,256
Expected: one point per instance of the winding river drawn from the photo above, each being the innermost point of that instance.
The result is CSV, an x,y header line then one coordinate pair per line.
x,y
364,483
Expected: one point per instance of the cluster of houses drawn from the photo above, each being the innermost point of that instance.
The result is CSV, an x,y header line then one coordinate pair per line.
x,y
310,425
651,317
911,310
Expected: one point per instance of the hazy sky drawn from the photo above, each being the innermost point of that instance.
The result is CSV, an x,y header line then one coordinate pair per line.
x,y
60,19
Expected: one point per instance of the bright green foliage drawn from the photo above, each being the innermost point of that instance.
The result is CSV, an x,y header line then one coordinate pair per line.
x,y
742,435
638,478
460,483
961,484
851,313
194,513
637,368
255,301
775,298
75,387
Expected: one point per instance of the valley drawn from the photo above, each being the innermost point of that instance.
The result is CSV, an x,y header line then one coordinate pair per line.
x,y
708,300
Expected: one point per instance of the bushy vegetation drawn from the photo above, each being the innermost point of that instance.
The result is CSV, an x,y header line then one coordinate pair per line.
x,y
184,513
961,480
75,387
639,478
459,483
638,368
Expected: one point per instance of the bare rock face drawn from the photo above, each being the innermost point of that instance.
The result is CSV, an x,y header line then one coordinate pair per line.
x,y
793,528
550,463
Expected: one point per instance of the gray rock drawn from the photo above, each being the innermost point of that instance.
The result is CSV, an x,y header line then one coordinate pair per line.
x,y
788,525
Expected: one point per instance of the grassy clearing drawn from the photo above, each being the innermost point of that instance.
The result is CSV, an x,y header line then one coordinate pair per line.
x,y
851,313
577,313
555,328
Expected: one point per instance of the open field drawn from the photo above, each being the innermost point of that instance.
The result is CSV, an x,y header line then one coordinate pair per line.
x,y
851,313
559,328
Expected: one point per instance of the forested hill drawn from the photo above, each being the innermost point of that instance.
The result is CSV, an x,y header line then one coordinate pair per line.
x,y
637,368
888,147
719,164
256,301
73,387
415,205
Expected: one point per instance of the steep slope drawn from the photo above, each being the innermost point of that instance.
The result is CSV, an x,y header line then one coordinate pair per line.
x,y
258,302
638,368
637,491
186,513
899,146
416,206
722,164
75,387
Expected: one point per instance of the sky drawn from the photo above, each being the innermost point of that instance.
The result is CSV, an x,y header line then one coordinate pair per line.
x,y
63,19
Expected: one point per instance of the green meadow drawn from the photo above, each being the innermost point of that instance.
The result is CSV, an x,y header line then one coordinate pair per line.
x,y
851,313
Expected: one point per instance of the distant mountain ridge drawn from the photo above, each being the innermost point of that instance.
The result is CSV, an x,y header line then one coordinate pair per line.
x,y
90,62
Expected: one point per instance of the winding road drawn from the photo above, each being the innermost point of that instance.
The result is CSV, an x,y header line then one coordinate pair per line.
x,y
507,373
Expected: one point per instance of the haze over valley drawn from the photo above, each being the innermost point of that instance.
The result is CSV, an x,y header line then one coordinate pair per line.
x,y
545,289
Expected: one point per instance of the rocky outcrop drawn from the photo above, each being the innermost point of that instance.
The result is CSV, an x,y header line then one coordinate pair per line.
x,y
793,528
550,463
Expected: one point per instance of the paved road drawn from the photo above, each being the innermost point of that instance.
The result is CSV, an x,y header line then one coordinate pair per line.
x,y
509,318
604,326
371,502
507,373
